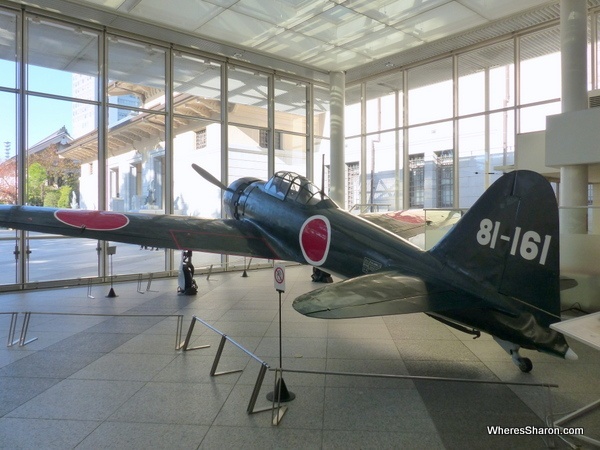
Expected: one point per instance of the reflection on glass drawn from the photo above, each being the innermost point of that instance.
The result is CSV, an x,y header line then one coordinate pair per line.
x,y
58,55
136,74
197,87
352,111
290,106
248,97
321,111
8,50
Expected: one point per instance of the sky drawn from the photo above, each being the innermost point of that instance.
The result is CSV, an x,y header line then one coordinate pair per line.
x,y
48,115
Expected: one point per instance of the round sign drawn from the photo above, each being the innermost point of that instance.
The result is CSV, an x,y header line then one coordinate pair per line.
x,y
279,277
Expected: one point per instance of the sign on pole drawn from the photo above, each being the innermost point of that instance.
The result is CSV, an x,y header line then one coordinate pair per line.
x,y
279,277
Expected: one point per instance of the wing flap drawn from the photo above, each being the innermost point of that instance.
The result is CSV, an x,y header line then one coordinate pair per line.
x,y
379,294
164,231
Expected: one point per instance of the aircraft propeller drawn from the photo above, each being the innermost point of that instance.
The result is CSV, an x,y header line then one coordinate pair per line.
x,y
209,177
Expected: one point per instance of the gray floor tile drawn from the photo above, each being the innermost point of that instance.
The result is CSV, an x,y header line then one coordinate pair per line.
x,y
256,437
174,403
144,436
43,433
78,400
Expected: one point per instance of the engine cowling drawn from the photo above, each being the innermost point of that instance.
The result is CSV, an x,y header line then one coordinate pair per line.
x,y
234,194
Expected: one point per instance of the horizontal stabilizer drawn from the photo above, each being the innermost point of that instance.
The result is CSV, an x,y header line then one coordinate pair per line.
x,y
380,294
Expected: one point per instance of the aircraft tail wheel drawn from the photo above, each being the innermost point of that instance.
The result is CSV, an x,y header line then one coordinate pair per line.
x,y
524,364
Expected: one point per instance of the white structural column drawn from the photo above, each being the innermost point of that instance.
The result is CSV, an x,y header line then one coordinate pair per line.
x,y
337,172
574,178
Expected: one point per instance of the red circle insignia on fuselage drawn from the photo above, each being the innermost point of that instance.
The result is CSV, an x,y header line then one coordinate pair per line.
x,y
315,237
92,220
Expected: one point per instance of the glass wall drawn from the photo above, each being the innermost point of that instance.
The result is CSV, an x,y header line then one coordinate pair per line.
x,y
455,129
108,121
62,74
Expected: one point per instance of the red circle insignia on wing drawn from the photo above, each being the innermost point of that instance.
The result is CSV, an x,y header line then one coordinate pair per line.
x,y
315,237
92,220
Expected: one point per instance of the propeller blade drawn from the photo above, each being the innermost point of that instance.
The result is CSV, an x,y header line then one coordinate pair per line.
x,y
208,177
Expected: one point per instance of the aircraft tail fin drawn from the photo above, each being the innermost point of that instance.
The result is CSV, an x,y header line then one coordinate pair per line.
x,y
509,240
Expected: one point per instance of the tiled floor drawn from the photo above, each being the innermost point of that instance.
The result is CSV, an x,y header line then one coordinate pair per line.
x,y
92,382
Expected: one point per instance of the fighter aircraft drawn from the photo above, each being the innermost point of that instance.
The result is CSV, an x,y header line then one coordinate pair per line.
x,y
496,271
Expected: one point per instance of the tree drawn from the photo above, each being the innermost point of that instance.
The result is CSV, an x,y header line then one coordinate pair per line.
x,y
8,182
36,182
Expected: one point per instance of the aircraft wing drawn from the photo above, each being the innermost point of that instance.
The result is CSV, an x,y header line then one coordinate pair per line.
x,y
164,231
412,222
380,294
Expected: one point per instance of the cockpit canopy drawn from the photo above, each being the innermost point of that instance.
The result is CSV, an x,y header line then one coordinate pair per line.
x,y
290,186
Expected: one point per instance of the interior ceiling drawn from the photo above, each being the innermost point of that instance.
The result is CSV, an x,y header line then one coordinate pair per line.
x,y
315,37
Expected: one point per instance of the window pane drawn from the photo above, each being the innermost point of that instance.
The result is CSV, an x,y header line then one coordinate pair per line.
x,y
291,153
52,176
353,189
8,50
381,102
430,148
430,92
473,164
322,163
534,118
248,97
290,106
321,111
199,143
352,112
493,62
502,141
540,66
381,171
57,54
197,87
136,73
8,161
247,158
135,140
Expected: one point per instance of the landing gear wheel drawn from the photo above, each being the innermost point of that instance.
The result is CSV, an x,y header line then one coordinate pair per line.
x,y
525,365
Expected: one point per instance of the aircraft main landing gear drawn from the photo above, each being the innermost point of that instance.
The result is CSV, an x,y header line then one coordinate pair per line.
x,y
524,364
